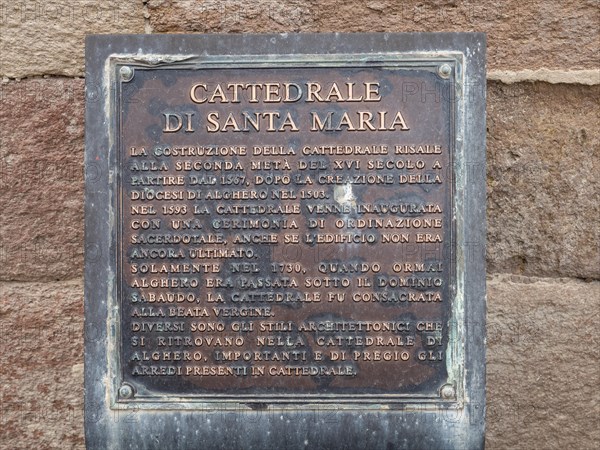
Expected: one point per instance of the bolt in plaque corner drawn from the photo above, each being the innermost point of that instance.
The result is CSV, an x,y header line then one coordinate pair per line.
x,y
126,391
448,392
445,70
126,73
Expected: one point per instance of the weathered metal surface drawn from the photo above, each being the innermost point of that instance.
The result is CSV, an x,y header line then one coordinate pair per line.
x,y
286,232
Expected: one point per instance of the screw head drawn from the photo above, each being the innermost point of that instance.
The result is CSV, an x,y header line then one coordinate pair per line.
x,y
445,70
126,73
447,391
126,391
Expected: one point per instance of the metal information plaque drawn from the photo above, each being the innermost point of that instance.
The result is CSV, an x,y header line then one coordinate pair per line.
x,y
285,225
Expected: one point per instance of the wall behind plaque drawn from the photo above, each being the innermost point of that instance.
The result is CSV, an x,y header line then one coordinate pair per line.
x,y
543,212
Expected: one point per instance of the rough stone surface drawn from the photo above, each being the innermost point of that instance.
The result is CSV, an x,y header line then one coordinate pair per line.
x,y
41,179
588,77
521,35
543,372
543,179
47,37
41,365
231,16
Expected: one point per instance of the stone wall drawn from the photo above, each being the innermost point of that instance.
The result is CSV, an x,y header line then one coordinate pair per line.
x,y
543,197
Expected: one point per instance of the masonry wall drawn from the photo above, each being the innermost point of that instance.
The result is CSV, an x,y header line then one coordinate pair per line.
x,y
543,181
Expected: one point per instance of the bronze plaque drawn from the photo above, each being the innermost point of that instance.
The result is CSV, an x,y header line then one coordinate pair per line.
x,y
285,230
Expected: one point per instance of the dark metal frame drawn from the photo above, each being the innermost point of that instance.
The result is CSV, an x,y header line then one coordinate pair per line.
x,y
405,422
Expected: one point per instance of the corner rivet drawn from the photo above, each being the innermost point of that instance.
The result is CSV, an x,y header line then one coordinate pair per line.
x,y
445,70
448,392
126,391
126,73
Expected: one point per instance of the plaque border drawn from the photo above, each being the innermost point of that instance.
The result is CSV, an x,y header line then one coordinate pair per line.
x,y
122,70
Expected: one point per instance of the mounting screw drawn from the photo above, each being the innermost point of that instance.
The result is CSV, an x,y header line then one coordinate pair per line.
x,y
448,392
445,70
126,391
126,73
